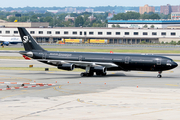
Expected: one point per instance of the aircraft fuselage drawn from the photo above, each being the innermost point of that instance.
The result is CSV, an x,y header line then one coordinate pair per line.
x,y
126,62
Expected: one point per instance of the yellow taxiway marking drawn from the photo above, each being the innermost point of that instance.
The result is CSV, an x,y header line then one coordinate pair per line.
x,y
61,91
13,77
172,85
141,72
154,111
81,101
169,71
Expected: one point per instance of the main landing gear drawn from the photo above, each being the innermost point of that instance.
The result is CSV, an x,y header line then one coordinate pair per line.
x,y
159,74
101,74
87,74
90,73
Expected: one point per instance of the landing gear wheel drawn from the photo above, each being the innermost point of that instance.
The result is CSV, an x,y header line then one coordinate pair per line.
x,y
87,74
83,74
104,74
90,74
159,76
100,74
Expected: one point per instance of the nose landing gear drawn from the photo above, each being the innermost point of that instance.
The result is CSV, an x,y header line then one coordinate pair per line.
x,y
159,74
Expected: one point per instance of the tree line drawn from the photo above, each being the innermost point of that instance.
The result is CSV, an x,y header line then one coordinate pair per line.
x,y
58,20
135,15
81,20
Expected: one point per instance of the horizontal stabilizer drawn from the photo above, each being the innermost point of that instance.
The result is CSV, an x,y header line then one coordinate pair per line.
x,y
27,58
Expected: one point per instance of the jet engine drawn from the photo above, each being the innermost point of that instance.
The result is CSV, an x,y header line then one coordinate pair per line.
x,y
68,67
99,69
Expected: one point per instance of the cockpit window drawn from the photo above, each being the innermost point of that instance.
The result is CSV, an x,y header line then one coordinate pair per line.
x,y
169,61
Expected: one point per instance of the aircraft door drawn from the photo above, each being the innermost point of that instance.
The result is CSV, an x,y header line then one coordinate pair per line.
x,y
159,62
127,60
44,56
81,58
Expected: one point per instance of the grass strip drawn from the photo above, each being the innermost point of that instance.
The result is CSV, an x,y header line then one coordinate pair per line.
x,y
101,50
177,60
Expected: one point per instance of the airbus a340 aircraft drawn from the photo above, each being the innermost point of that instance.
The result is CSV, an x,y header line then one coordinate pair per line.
x,y
98,63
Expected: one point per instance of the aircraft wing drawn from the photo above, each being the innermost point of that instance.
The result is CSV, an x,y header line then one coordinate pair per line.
x,y
81,63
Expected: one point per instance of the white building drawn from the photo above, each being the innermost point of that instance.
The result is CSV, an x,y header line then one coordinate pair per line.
x,y
70,9
175,15
53,11
143,23
114,35
90,10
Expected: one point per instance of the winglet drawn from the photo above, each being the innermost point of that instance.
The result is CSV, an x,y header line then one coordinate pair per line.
x,y
27,58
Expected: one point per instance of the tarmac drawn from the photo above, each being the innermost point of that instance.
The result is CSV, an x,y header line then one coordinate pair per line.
x,y
134,95
120,95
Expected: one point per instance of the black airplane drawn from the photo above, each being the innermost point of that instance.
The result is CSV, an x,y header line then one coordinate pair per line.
x,y
98,63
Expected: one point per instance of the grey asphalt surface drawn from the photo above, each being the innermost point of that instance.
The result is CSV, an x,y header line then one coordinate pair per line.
x,y
122,95
112,97
22,63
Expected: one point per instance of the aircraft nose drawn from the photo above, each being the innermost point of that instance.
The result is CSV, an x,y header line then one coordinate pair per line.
x,y
174,64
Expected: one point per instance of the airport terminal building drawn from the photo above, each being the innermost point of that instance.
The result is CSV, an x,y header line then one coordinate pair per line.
x,y
113,35
143,23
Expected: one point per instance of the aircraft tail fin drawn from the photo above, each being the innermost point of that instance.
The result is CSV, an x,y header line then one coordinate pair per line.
x,y
28,41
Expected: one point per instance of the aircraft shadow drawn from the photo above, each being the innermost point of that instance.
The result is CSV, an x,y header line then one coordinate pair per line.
x,y
77,76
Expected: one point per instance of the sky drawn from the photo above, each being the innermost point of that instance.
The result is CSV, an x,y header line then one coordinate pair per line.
x,y
84,3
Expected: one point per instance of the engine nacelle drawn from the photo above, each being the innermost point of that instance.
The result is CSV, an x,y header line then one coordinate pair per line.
x,y
99,69
68,67
6,43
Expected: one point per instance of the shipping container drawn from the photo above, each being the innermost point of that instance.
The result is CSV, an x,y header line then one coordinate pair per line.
x,y
60,42
99,41
73,41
